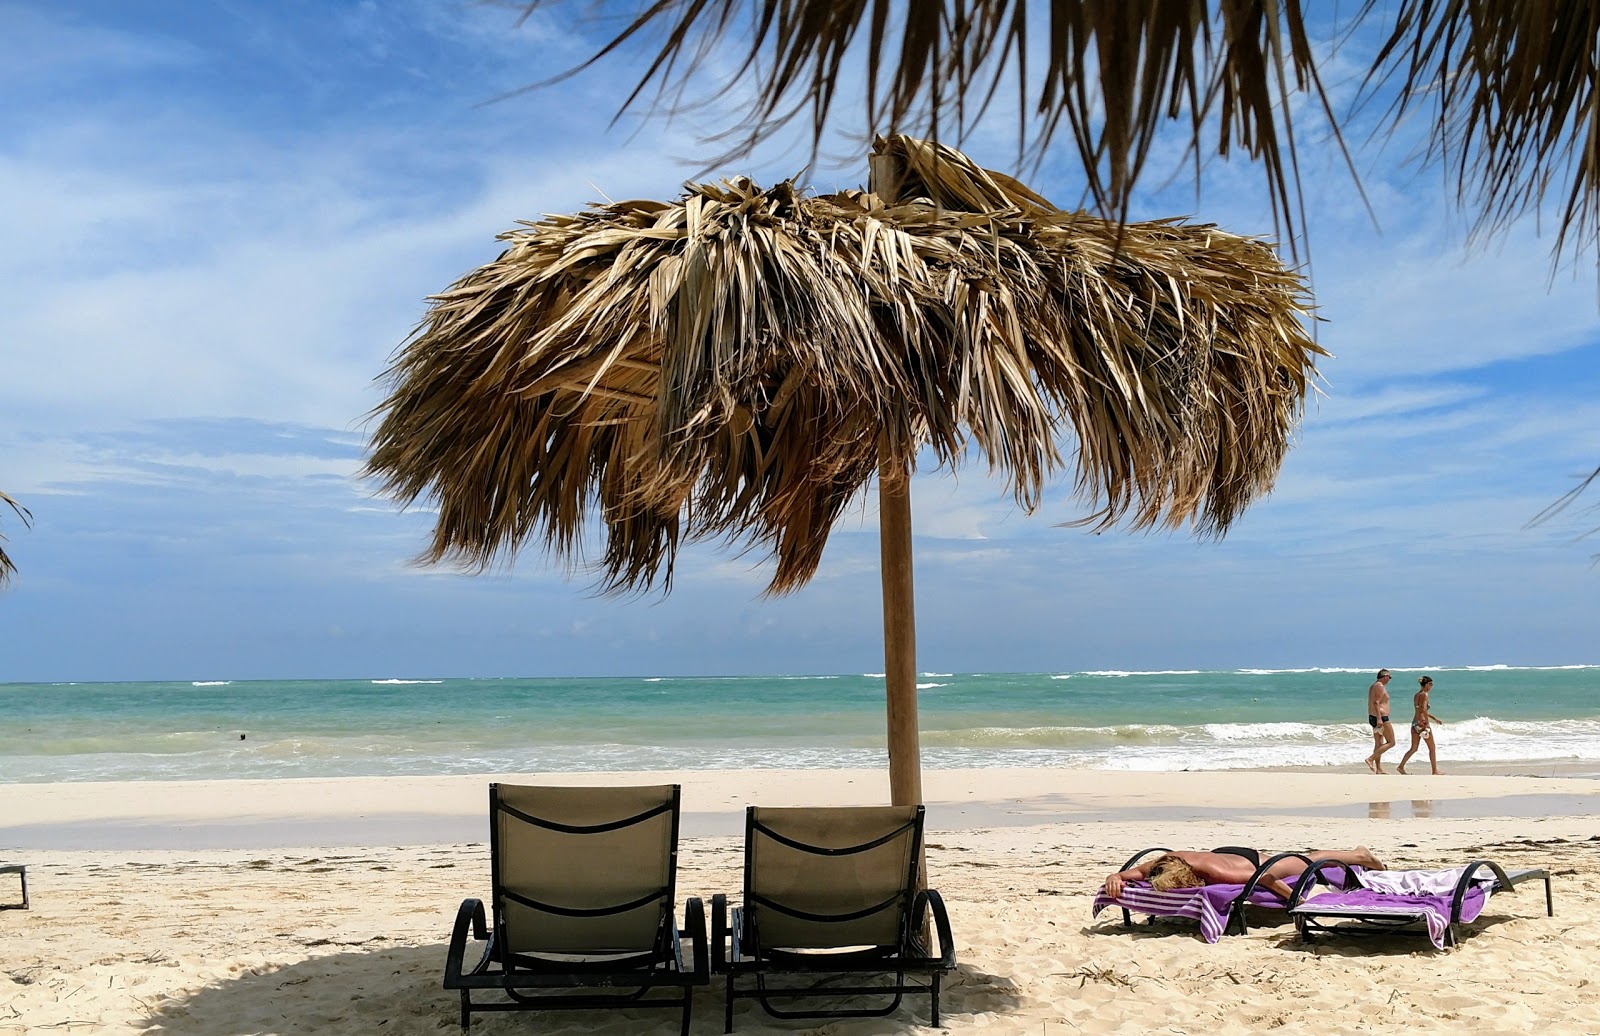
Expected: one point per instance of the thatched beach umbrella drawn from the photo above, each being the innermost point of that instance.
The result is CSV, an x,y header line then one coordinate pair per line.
x,y
740,364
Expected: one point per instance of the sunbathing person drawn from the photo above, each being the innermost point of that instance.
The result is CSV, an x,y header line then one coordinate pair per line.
x,y
1191,869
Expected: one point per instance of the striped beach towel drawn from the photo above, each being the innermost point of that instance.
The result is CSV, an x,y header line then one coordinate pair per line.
x,y
1209,905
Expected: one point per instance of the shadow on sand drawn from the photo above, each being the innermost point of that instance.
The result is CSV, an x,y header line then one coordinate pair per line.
x,y
1356,940
397,990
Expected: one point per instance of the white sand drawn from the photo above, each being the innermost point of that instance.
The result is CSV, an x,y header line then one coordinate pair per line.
x,y
149,930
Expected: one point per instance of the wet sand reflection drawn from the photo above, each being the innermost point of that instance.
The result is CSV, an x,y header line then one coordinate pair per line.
x,y
1420,808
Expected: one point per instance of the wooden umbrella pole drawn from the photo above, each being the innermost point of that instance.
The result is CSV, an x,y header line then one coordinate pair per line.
x,y
899,631
894,545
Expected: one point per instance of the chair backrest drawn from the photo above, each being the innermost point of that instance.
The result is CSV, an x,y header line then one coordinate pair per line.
x,y
583,870
820,878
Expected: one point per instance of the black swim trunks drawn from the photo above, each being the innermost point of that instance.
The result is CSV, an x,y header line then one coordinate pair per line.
x,y
1373,721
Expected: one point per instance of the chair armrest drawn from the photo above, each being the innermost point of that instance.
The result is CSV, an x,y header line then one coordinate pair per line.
x,y
468,917
1502,880
694,928
1241,902
929,901
1261,871
1311,875
1127,918
1141,854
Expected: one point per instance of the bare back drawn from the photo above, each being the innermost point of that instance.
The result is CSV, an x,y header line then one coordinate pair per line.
x,y
1218,868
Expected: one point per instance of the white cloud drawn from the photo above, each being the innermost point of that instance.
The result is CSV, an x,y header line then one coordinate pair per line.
x,y
254,258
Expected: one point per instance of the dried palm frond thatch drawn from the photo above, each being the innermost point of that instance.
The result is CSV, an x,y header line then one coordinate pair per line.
x,y
736,365
1510,88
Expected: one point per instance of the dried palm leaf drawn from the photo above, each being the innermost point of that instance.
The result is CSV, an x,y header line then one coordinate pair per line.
x,y
735,365
7,567
1512,84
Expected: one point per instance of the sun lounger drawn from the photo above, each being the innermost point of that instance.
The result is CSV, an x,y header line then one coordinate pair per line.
x,y
831,905
1392,901
583,885
21,871
1216,908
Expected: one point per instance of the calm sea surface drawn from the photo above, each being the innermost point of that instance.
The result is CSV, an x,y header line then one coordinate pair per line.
x,y
1102,720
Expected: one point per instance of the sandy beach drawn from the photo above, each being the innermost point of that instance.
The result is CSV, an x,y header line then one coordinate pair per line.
x,y
322,906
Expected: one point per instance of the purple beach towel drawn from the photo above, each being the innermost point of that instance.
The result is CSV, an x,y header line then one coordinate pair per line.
x,y
1433,910
1207,905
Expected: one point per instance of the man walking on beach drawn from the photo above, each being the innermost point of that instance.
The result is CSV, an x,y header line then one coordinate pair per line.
x,y
1378,720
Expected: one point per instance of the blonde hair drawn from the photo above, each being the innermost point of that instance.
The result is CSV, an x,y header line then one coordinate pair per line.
x,y
1170,872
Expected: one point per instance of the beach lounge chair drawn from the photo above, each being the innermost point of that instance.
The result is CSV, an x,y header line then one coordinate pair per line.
x,y
832,909
583,884
1395,901
21,871
1218,908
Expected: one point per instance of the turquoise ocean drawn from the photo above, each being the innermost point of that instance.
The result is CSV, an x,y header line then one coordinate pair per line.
x,y
1495,716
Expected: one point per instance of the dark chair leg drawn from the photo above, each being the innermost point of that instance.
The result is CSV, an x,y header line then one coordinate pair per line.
x,y
936,1000
728,1020
466,1011
688,1006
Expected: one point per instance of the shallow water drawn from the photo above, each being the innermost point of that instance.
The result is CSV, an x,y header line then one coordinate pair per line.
x,y
1501,716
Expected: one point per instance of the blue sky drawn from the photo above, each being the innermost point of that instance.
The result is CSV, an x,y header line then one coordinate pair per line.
x,y
222,218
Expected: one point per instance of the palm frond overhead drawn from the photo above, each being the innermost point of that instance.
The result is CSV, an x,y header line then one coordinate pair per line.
x,y
735,364
1509,86
7,567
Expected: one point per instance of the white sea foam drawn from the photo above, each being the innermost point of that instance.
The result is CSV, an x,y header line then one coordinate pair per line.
x,y
926,686
210,683
1141,672
1256,731
403,682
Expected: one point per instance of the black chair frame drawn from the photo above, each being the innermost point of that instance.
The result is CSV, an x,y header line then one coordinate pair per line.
x,y
522,977
737,951
1307,919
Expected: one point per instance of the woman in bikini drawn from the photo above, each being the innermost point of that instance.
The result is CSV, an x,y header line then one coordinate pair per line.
x,y
1421,725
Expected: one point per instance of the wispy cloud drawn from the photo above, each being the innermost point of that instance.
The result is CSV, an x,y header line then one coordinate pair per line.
x,y
220,226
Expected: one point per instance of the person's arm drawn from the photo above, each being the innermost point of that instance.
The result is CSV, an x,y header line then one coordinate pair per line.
x,y
1115,882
